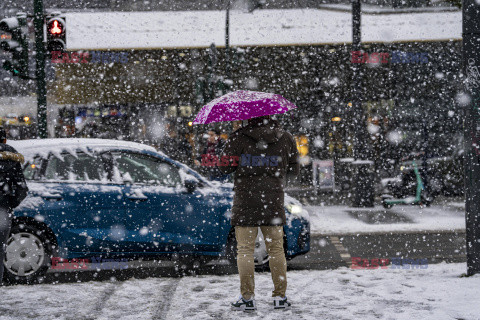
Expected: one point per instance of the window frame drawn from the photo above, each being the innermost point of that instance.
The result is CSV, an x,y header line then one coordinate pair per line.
x,y
148,156
99,155
38,174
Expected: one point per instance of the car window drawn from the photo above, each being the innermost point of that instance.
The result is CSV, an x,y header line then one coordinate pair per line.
x,y
82,167
141,168
31,170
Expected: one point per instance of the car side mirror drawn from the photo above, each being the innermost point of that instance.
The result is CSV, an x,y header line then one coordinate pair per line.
x,y
191,185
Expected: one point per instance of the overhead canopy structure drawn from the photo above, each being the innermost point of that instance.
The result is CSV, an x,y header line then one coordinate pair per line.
x,y
198,29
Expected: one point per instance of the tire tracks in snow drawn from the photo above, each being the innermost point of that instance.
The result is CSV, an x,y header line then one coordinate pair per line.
x,y
103,299
164,300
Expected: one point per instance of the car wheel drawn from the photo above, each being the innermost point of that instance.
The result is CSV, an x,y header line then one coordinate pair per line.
x,y
27,255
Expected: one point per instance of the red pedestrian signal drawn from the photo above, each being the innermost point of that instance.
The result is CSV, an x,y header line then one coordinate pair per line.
x,y
56,34
56,27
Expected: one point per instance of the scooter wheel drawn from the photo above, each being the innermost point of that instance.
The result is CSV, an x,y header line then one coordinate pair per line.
x,y
425,204
387,205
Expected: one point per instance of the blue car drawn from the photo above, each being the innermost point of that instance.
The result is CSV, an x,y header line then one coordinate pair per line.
x,y
93,198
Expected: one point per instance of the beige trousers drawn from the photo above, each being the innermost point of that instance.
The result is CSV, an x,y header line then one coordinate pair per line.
x,y
246,268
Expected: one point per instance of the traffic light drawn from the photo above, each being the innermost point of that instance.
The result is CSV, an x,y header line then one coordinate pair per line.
x,y
14,39
56,34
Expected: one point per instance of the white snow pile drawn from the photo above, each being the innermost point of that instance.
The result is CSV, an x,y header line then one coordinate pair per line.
x,y
331,220
437,292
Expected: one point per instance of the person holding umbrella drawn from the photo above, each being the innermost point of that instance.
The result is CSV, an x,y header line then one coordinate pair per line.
x,y
260,154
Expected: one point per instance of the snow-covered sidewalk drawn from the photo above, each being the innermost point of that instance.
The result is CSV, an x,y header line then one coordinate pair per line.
x,y
327,220
434,293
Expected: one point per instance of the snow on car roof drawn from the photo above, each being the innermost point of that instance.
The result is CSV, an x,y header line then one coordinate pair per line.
x,y
43,147
198,29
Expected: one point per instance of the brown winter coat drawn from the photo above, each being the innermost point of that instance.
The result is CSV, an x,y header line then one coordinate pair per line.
x,y
259,182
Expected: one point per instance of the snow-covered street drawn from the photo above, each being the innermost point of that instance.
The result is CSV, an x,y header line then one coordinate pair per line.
x,y
437,292
346,220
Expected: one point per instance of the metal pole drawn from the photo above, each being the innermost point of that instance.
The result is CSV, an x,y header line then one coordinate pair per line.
x,y
363,189
356,83
227,41
38,22
471,64
356,103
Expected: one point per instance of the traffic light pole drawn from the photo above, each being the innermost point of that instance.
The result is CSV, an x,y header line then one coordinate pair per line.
x,y
227,41
471,65
38,22
356,81
363,185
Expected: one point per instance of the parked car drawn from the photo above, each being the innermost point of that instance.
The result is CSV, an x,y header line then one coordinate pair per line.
x,y
115,199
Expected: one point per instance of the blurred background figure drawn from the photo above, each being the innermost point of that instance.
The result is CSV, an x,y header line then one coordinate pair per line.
x,y
213,147
176,146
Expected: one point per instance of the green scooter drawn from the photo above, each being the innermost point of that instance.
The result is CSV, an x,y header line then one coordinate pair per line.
x,y
389,201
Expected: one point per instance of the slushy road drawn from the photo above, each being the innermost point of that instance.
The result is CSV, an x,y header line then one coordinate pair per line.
x,y
327,252
334,251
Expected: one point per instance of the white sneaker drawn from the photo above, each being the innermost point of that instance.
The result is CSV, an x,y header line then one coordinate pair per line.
x,y
244,305
281,303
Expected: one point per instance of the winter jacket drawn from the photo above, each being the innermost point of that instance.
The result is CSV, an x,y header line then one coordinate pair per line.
x,y
261,155
10,174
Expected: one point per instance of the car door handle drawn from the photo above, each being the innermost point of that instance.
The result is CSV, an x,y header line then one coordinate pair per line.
x,y
137,198
52,197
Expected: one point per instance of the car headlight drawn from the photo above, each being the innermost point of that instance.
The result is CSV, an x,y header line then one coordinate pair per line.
x,y
295,209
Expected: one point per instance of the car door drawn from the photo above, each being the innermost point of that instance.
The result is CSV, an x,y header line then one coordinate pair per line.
x,y
82,203
162,216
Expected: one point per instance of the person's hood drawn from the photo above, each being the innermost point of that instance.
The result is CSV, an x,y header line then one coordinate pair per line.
x,y
270,132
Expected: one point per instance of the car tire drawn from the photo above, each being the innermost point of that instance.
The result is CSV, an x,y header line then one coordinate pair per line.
x,y
27,256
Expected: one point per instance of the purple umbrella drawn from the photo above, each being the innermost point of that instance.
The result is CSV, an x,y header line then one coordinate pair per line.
x,y
242,105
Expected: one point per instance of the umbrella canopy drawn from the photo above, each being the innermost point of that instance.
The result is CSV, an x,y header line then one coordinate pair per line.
x,y
242,105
